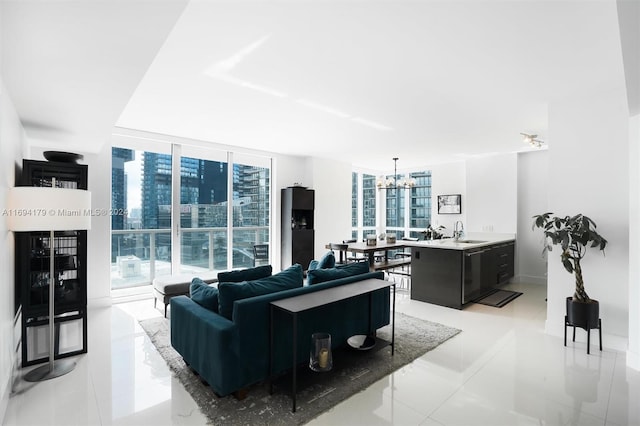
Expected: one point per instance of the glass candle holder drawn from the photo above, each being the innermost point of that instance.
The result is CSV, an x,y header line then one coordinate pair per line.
x,y
320,358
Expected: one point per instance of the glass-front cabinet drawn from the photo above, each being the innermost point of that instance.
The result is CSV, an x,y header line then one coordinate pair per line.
x,y
33,256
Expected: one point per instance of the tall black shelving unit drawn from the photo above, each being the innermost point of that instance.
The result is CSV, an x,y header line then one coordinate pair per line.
x,y
297,226
32,273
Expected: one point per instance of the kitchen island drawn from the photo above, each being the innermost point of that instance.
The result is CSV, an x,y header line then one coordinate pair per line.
x,y
454,273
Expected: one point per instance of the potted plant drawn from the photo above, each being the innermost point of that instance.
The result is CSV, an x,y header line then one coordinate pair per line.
x,y
574,234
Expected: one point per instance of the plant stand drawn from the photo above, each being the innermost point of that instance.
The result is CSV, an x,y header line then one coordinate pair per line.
x,y
585,316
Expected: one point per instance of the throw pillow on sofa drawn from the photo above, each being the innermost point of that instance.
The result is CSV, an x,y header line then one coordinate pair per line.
x,y
327,261
245,274
204,294
316,276
230,292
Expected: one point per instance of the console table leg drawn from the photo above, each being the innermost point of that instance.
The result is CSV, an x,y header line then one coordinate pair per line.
x,y
294,364
271,350
393,323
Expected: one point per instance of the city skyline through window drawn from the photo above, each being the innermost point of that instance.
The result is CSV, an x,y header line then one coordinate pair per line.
x,y
142,183
406,211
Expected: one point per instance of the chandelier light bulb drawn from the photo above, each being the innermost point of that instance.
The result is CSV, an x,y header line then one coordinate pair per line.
x,y
391,182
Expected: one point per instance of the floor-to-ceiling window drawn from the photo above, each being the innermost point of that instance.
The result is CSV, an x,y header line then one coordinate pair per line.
x,y
406,210
395,208
354,205
369,204
141,235
363,205
223,208
420,203
203,210
251,207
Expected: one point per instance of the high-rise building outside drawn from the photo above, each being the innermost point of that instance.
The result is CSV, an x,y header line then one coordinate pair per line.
x,y
119,186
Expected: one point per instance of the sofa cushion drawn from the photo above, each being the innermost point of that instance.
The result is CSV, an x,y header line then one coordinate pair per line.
x,y
230,292
313,265
245,274
204,294
341,271
327,261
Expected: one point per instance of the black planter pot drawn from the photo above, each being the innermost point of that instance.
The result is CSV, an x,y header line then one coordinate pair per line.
x,y
585,315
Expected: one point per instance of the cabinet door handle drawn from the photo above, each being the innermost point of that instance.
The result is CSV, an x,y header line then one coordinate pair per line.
x,y
474,253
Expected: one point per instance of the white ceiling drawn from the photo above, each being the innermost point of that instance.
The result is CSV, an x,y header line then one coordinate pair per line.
x,y
426,81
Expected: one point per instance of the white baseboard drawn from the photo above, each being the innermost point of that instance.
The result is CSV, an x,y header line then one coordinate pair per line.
x,y
99,302
530,279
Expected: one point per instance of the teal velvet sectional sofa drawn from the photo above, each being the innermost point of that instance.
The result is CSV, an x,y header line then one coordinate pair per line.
x,y
229,348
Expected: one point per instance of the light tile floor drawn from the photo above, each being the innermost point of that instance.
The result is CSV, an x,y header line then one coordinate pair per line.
x,y
501,370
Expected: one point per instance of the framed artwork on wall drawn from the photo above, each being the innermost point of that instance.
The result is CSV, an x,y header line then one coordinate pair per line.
x,y
450,204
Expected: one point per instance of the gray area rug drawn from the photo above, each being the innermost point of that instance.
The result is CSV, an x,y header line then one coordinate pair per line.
x,y
352,372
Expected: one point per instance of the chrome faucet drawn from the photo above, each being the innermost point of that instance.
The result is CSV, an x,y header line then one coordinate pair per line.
x,y
458,231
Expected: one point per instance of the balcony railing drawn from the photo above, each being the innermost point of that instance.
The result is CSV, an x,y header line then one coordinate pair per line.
x,y
140,255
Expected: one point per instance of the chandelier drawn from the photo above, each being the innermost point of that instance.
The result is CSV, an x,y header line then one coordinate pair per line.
x,y
532,140
390,182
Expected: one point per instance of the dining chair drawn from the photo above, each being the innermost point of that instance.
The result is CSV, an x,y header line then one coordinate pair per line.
x,y
342,249
260,254
352,256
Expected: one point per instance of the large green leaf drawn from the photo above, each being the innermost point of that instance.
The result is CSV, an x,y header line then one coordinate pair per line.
x,y
573,233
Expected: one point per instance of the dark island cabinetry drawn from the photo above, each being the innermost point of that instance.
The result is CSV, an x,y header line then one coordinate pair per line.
x,y
434,274
454,278
297,226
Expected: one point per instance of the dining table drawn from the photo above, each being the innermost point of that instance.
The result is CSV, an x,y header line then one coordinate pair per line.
x,y
382,246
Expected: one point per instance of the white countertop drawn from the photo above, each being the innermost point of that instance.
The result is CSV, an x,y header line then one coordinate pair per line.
x,y
468,241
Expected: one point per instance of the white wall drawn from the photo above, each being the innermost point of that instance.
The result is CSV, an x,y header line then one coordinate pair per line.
x,y
633,354
492,194
449,178
533,170
99,237
589,174
629,22
12,145
331,181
